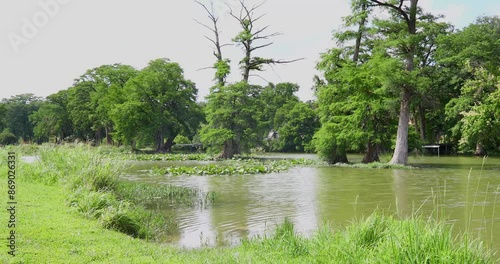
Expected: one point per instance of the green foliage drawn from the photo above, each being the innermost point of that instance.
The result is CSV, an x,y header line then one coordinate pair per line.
x,y
160,105
471,113
479,109
222,70
237,167
16,112
476,43
231,118
274,98
92,98
144,193
52,119
375,239
95,191
296,123
173,157
356,108
7,138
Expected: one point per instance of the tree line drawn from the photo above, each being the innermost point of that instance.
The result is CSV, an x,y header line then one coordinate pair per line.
x,y
389,84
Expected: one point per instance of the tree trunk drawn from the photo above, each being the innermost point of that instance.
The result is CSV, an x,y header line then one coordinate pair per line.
x,y
109,139
159,143
421,113
401,151
338,156
133,145
479,149
359,37
169,144
229,150
371,154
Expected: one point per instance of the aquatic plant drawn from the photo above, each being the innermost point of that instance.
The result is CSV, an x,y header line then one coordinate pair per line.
x,y
234,167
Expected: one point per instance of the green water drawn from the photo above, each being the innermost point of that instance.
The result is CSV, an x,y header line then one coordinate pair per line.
x,y
459,189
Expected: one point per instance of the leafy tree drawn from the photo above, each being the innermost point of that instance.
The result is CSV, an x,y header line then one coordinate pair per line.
x,y
160,105
231,119
7,138
477,47
401,31
274,97
479,109
431,94
296,123
52,118
92,98
355,107
17,111
478,44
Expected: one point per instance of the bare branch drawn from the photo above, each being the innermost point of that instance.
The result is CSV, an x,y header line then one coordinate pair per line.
x,y
287,61
205,68
260,30
261,46
211,14
267,36
211,40
397,8
209,28
256,75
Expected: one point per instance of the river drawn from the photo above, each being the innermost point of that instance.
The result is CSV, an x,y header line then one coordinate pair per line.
x,y
461,190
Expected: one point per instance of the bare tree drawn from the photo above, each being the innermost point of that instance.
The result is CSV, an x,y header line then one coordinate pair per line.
x,y
248,38
222,65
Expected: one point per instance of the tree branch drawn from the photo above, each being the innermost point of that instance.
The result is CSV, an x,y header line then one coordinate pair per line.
x,y
397,8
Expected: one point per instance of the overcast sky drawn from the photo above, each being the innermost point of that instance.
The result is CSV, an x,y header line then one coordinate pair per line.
x,y
46,44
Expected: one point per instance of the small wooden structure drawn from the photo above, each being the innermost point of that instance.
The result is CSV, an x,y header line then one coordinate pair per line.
x,y
441,148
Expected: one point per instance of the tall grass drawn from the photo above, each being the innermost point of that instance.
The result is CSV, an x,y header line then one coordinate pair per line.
x,y
376,239
95,190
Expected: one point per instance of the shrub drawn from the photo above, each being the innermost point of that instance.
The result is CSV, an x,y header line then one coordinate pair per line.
x,y
7,138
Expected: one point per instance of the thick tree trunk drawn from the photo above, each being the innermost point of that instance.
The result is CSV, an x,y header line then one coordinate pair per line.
x,y
169,144
401,151
229,150
479,149
338,156
371,154
159,143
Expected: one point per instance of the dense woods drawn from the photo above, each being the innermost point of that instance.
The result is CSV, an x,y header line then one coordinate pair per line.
x,y
391,84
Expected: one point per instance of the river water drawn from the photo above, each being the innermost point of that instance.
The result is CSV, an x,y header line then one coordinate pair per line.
x,y
462,190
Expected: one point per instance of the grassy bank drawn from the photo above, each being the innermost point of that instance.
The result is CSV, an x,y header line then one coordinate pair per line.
x,y
91,180
50,231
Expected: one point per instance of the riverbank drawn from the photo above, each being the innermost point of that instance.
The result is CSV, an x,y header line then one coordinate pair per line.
x,y
49,231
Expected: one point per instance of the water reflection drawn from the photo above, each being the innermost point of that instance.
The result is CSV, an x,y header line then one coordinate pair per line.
x,y
251,205
400,190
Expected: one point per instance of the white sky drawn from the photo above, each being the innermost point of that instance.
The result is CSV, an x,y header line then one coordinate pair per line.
x,y
76,35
